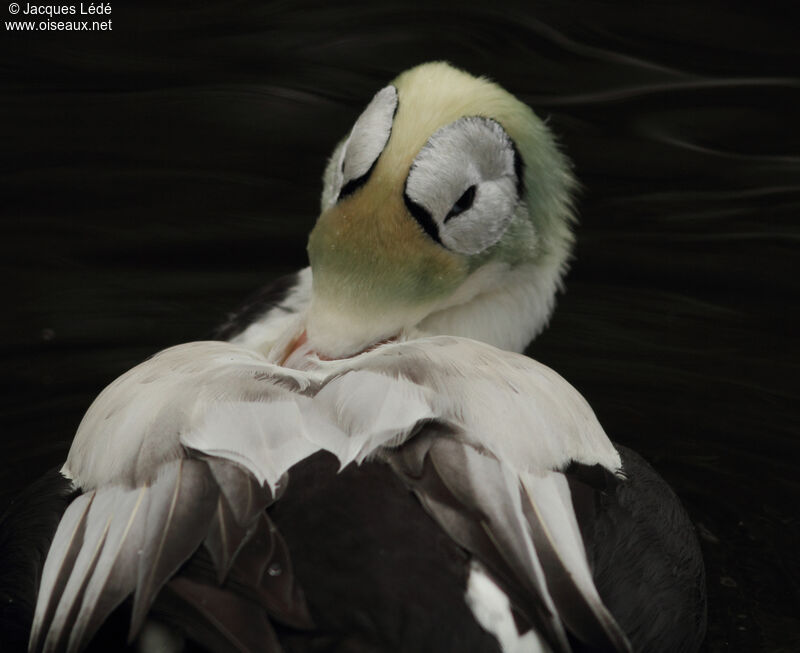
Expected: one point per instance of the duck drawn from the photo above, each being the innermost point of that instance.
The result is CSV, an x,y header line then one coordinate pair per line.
x,y
364,459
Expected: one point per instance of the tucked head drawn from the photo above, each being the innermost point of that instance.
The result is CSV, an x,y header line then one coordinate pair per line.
x,y
448,190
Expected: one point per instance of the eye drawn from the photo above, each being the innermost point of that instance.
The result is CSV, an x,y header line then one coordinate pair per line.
x,y
473,153
462,204
354,160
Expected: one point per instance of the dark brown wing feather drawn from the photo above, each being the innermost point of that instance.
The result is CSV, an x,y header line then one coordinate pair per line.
x,y
237,614
436,476
462,490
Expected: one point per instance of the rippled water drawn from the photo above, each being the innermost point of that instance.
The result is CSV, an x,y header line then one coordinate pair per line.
x,y
154,175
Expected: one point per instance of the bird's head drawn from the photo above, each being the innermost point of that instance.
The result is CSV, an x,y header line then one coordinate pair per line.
x,y
446,210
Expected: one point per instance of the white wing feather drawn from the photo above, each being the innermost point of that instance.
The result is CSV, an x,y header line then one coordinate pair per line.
x,y
59,563
98,523
114,575
522,411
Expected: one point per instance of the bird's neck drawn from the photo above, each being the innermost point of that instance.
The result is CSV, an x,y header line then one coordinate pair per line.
x,y
504,308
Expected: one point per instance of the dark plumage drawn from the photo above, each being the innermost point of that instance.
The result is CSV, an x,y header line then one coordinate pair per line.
x,y
377,571
644,554
26,529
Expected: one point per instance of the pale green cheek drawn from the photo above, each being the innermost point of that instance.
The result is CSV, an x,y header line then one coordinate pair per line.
x,y
363,279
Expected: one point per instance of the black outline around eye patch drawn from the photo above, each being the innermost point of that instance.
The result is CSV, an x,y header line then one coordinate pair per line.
x,y
354,184
423,218
519,164
519,170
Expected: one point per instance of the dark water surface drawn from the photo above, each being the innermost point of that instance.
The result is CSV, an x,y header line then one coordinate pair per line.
x,y
154,175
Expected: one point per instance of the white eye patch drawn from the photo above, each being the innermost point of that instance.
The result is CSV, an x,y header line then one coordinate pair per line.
x,y
463,186
368,137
